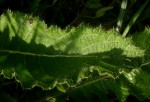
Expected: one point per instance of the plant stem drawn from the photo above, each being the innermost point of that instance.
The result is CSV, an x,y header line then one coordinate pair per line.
x,y
134,18
121,15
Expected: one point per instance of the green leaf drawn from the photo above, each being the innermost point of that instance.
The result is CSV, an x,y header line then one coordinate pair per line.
x,y
4,97
102,11
69,59
93,4
141,39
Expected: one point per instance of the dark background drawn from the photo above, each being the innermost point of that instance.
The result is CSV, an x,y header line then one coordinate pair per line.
x,y
74,12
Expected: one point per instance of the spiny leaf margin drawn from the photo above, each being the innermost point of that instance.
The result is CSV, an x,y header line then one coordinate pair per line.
x,y
93,44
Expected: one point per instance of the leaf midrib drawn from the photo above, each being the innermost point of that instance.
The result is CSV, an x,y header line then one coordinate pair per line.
x,y
43,55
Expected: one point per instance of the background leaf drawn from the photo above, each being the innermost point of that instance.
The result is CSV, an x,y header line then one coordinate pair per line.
x,y
102,11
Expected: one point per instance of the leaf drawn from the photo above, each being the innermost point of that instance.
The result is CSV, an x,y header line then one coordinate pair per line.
x,y
102,11
142,76
69,59
5,97
93,4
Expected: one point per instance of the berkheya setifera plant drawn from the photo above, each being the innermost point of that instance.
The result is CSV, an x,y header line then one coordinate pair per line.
x,y
81,62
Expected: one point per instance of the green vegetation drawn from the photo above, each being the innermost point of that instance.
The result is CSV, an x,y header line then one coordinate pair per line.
x,y
84,59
